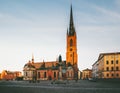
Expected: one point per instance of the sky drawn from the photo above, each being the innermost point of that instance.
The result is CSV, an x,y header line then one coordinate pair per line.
x,y
39,27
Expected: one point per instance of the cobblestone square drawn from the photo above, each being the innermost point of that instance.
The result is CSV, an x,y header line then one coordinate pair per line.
x,y
82,86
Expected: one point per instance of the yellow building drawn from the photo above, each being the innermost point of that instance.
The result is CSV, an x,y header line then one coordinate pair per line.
x,y
109,65
86,73
0,76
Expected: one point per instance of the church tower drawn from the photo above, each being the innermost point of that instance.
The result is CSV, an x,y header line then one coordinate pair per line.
x,y
71,49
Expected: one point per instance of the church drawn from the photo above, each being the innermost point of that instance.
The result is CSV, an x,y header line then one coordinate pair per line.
x,y
59,69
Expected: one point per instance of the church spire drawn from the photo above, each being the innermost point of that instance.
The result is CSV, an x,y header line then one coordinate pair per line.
x,y
71,54
67,32
32,58
71,25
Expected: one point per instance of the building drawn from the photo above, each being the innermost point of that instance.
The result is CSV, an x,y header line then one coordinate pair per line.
x,y
71,49
95,70
29,71
67,69
45,70
108,65
10,75
79,74
0,76
86,73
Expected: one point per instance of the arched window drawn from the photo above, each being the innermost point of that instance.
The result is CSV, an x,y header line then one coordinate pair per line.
x,y
54,74
71,42
38,74
44,74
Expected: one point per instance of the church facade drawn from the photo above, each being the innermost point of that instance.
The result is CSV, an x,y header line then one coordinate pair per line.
x,y
58,69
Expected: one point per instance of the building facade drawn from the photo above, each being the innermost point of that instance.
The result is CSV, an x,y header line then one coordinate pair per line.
x,y
95,70
10,75
108,65
86,73
29,71
56,69
0,76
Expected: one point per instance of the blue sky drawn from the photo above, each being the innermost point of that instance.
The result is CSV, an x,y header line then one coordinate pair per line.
x,y
40,26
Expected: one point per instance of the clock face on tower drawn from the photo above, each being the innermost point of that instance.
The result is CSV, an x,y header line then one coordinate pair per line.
x,y
70,49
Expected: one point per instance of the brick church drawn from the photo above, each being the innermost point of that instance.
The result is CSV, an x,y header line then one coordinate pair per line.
x,y
59,69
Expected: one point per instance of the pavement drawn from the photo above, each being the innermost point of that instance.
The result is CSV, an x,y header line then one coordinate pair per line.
x,y
82,86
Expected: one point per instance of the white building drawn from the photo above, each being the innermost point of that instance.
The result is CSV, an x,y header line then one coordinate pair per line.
x,y
95,70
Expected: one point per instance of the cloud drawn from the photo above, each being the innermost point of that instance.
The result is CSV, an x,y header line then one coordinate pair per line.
x,y
98,28
7,19
117,2
108,15
95,14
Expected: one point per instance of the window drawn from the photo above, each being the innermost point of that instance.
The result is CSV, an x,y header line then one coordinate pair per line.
x,y
112,74
107,75
107,62
55,74
26,74
38,74
112,68
116,61
71,42
117,68
112,62
44,74
117,75
107,68
70,49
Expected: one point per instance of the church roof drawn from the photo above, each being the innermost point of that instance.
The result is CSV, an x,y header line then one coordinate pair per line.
x,y
47,64
37,65
44,65
29,65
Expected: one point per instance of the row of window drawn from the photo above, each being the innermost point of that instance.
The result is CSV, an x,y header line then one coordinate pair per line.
x,y
45,74
112,75
112,68
112,62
